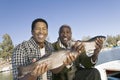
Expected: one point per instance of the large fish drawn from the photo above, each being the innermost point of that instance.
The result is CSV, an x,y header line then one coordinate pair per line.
x,y
56,59
89,44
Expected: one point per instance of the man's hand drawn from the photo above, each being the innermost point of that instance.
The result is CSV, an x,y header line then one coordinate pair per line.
x,y
70,58
79,47
98,47
39,69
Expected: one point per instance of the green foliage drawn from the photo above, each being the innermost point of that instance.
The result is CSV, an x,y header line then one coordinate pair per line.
x,y
112,40
6,47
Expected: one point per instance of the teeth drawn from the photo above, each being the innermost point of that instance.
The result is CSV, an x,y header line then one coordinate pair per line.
x,y
65,39
40,36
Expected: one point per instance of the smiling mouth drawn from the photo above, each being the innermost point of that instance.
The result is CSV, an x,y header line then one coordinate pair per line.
x,y
65,39
40,36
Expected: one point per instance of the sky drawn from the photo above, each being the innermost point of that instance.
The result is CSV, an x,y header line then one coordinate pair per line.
x,y
86,17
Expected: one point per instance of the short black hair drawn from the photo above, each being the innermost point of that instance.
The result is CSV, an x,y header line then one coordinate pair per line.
x,y
38,20
63,26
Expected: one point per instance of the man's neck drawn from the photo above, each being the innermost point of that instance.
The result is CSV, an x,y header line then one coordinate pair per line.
x,y
41,45
64,45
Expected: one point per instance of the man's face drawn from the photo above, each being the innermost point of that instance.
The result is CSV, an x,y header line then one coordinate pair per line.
x,y
40,32
65,35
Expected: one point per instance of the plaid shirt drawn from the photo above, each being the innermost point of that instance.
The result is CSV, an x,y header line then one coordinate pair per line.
x,y
25,52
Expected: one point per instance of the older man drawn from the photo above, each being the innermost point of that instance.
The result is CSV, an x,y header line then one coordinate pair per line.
x,y
82,68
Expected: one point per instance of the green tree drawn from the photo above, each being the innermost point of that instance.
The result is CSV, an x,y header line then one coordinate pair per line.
x,y
112,40
6,47
118,37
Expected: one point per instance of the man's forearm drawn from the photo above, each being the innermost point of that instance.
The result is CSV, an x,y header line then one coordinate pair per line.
x,y
94,57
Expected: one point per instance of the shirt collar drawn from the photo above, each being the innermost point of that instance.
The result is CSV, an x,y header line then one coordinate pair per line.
x,y
62,46
48,46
